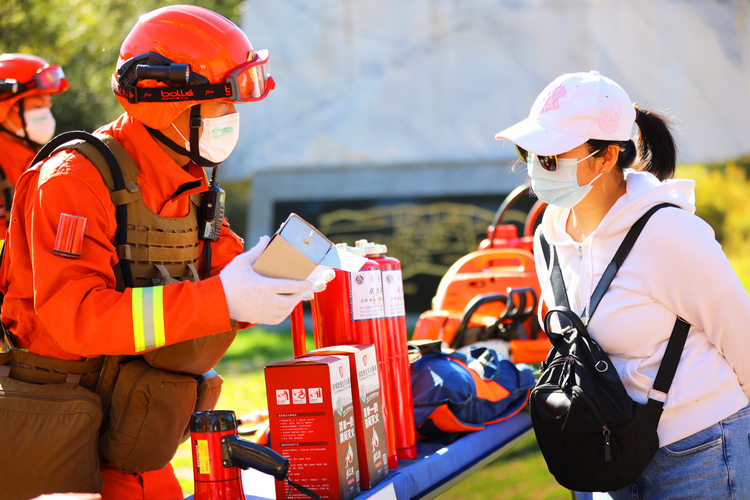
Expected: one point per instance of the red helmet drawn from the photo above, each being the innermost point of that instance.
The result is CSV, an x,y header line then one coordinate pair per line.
x,y
181,55
22,75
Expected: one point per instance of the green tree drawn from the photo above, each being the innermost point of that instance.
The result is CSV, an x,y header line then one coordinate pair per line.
x,y
84,37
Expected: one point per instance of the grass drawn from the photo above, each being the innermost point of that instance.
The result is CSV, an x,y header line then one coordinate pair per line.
x,y
520,474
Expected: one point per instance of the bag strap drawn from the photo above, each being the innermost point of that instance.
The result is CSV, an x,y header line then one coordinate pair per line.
x,y
668,367
556,277
619,258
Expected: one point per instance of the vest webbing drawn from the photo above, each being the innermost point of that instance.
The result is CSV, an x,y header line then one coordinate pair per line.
x,y
160,250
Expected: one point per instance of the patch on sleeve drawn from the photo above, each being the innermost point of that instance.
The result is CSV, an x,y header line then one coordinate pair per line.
x,y
69,240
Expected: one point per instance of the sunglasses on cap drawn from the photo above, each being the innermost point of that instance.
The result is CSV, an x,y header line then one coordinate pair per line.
x,y
549,163
47,79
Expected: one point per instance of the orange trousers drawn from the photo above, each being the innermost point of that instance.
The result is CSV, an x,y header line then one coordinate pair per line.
x,y
155,485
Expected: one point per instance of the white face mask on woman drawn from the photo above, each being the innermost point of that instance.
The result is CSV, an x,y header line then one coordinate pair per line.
x,y
559,188
219,137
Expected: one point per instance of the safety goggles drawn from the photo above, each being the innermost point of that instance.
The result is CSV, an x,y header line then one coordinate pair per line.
x,y
50,79
252,81
549,163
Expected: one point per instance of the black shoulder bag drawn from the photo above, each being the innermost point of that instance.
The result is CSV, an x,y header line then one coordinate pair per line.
x,y
593,436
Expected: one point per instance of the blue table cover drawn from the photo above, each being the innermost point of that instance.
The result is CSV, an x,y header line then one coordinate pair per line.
x,y
435,464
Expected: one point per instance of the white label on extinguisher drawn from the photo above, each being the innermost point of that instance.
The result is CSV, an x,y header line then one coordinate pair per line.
x,y
366,294
393,293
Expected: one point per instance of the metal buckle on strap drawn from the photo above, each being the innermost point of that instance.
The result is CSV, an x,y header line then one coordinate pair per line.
x,y
657,395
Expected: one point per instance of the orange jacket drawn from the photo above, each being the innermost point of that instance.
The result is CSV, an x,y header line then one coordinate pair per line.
x,y
68,308
15,157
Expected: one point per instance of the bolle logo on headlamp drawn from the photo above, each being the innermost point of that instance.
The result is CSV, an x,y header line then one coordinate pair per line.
x,y
176,94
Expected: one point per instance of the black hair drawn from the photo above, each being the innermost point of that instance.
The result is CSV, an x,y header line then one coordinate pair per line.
x,y
655,150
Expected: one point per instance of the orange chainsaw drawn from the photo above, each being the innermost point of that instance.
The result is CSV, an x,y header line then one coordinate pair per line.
x,y
492,294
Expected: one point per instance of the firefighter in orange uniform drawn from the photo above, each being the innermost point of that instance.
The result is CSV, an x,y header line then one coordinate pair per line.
x,y
180,72
26,85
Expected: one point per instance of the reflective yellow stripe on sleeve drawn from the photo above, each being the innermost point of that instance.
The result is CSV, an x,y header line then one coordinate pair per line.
x,y
148,318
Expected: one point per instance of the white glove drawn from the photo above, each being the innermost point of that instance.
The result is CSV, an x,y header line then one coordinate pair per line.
x,y
253,298
319,278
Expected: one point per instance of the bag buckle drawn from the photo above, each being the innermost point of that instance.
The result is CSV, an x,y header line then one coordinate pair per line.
x,y
657,395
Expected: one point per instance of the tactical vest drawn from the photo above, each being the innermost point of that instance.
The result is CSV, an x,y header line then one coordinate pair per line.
x,y
160,250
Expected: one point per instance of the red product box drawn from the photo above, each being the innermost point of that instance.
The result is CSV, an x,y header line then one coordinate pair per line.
x,y
368,410
312,424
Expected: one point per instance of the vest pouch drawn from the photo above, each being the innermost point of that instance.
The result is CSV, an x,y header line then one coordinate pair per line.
x,y
49,437
149,412
195,356
209,390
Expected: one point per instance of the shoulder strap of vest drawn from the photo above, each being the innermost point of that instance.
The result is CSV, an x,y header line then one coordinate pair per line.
x,y
101,155
126,164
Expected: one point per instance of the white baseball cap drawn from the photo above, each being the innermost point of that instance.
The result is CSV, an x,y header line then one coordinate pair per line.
x,y
574,108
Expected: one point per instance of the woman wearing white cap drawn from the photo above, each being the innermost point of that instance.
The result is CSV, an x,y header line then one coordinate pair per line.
x,y
598,182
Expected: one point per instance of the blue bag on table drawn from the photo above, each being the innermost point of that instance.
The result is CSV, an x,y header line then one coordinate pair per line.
x,y
451,398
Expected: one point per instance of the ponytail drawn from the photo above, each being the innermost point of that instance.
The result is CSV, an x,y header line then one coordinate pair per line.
x,y
656,146
655,150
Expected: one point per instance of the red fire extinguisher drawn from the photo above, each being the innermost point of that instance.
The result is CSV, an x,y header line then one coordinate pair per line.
x,y
219,454
398,359
350,311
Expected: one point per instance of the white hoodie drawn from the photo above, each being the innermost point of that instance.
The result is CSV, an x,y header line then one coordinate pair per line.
x,y
676,267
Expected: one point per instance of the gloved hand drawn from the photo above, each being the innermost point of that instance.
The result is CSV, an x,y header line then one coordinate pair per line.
x,y
253,298
320,277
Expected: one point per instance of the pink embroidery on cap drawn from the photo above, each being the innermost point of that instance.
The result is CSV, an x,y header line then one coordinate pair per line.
x,y
608,120
551,101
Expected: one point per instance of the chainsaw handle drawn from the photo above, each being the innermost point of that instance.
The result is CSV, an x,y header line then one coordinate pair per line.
x,y
507,203
472,307
520,311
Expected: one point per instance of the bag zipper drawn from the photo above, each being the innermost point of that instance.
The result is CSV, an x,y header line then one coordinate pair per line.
x,y
131,389
600,421
49,398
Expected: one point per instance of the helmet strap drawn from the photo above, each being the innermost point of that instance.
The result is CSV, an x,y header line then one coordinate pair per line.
x,y
195,117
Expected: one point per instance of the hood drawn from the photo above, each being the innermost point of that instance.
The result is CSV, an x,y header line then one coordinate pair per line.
x,y
643,191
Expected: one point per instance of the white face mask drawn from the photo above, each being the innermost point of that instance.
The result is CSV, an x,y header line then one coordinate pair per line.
x,y
40,124
219,137
559,188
